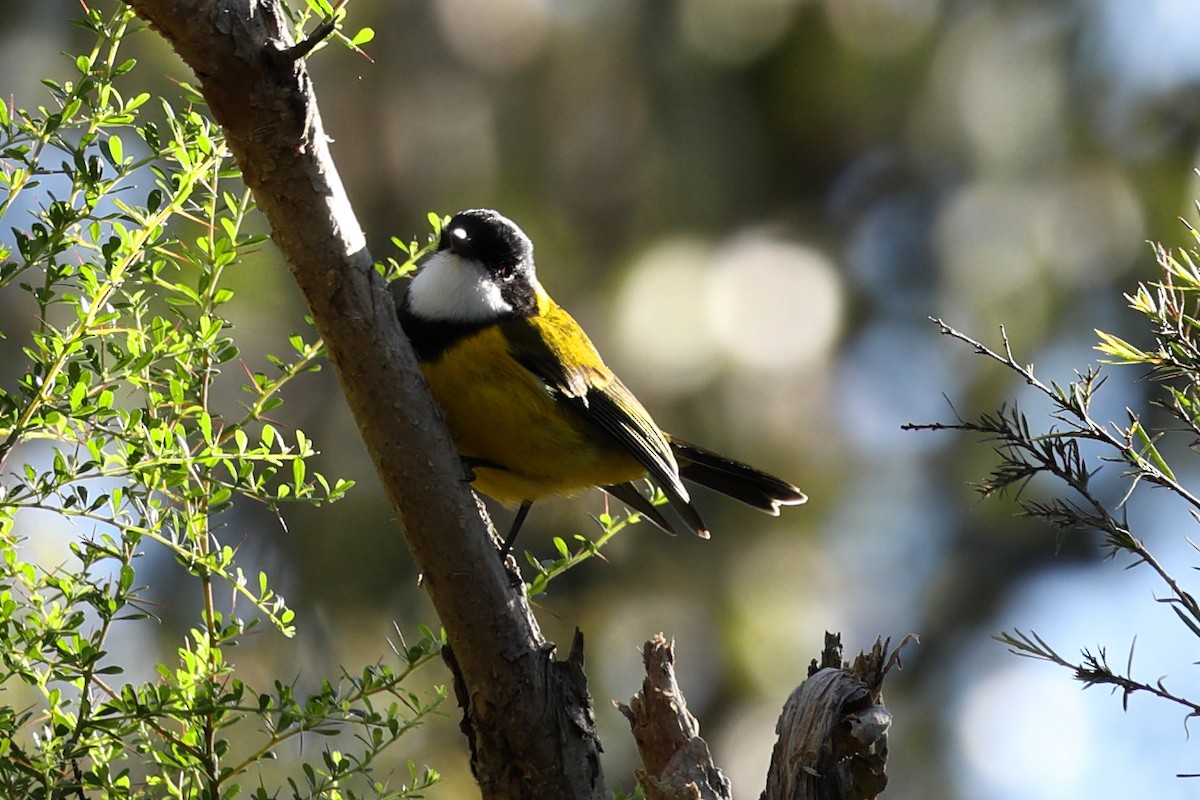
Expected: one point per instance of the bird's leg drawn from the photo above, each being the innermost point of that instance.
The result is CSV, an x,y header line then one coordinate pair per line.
x,y
511,537
514,573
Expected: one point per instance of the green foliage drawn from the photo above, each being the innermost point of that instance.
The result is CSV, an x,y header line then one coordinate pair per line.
x,y
638,794
331,17
1172,307
413,251
113,423
566,558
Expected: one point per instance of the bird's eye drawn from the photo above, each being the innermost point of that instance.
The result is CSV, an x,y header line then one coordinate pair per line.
x,y
458,241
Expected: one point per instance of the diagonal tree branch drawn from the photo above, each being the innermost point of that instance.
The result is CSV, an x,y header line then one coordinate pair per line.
x,y
527,715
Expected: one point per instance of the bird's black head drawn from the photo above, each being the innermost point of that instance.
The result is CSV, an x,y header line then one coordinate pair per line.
x,y
489,238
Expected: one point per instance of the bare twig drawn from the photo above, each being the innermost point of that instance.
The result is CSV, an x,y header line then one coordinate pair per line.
x,y
1056,452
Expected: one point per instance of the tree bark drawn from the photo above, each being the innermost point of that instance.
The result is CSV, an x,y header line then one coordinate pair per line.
x,y
528,716
832,741
677,764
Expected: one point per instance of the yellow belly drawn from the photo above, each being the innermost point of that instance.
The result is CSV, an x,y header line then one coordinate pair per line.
x,y
500,413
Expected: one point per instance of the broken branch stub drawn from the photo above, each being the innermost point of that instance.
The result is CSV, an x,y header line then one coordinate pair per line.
x,y
677,764
832,741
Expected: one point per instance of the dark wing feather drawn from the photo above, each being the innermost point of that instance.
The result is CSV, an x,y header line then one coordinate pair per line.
x,y
628,494
555,349
735,479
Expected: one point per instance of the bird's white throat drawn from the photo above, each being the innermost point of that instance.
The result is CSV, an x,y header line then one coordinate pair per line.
x,y
451,288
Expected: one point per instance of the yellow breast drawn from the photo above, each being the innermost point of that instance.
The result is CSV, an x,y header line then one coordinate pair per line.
x,y
499,412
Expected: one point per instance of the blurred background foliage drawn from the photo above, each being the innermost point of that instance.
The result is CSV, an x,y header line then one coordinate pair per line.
x,y
753,206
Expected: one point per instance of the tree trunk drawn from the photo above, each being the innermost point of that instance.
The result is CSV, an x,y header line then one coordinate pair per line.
x,y
528,715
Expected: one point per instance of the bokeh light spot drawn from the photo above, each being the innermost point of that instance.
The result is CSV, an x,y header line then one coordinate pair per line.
x,y
442,133
735,31
495,35
774,304
984,236
1008,95
1032,748
881,28
1146,46
663,338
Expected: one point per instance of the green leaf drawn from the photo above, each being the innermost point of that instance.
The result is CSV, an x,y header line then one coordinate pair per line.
x,y
298,472
137,101
71,109
78,394
537,585
204,420
1148,450
116,151
1121,350
126,578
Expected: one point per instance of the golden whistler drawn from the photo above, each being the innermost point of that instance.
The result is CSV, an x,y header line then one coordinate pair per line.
x,y
532,407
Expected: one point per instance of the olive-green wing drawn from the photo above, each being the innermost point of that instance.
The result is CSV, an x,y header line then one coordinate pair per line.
x,y
555,349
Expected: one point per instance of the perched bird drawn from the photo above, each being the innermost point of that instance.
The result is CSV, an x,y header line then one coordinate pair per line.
x,y
532,408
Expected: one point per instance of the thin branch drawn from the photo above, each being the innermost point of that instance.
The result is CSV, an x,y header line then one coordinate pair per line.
x,y
1057,453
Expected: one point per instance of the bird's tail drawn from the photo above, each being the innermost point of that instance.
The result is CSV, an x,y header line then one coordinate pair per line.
x,y
734,479
714,471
